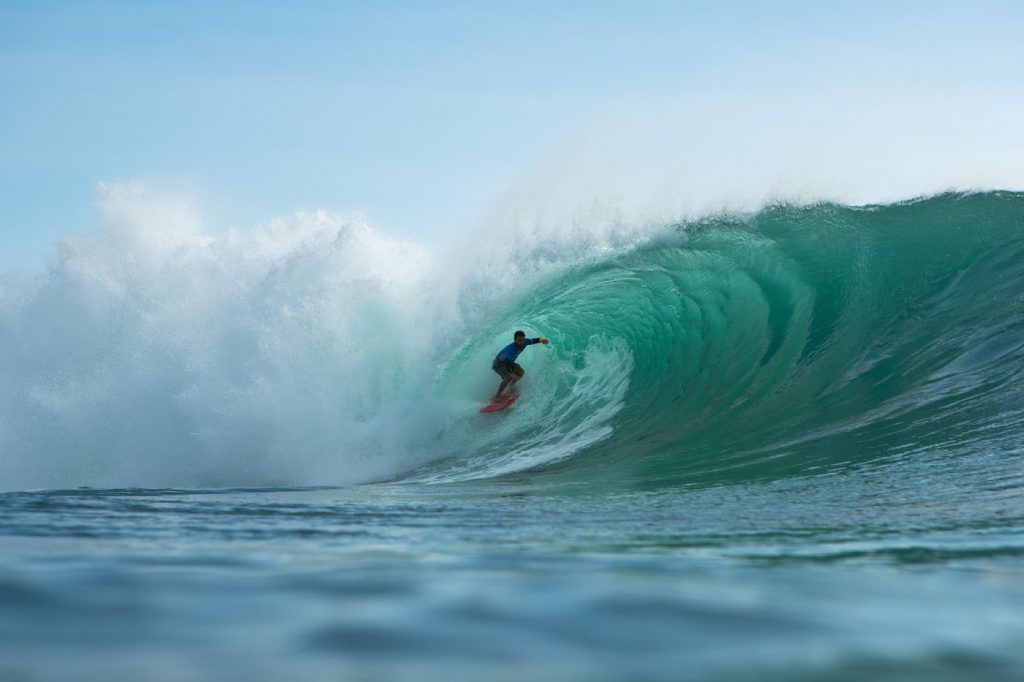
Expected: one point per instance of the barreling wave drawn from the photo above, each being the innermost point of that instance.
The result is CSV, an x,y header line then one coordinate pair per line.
x,y
734,348
785,343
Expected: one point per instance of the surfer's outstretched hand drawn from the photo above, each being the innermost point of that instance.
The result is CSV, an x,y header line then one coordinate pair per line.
x,y
543,340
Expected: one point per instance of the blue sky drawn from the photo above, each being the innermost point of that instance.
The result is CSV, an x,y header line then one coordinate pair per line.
x,y
419,114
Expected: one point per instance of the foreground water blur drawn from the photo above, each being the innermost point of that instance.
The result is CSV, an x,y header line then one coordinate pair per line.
x,y
776,580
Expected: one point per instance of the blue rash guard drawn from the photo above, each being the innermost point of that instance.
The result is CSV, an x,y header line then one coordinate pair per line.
x,y
510,352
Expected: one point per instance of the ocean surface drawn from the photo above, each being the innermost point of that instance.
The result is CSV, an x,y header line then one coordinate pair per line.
x,y
779,445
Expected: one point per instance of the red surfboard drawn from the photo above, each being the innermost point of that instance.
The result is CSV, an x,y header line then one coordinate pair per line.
x,y
501,403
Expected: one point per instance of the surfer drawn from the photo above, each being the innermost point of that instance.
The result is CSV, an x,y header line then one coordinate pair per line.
x,y
505,361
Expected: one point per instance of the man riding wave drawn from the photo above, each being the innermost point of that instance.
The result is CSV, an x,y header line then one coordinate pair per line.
x,y
505,361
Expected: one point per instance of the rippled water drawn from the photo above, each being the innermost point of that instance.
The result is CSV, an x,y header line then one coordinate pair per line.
x,y
847,576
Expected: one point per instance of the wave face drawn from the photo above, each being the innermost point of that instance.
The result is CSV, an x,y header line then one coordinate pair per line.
x,y
791,342
316,351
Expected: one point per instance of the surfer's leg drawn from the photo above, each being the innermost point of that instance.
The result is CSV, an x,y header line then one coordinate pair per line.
x,y
505,382
515,375
505,373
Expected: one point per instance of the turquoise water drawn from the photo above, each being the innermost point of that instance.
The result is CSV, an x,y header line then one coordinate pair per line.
x,y
785,445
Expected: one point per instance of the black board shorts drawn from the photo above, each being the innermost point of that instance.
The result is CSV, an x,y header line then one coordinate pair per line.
x,y
504,368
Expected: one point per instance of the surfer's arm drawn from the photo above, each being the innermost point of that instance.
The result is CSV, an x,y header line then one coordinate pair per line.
x,y
539,339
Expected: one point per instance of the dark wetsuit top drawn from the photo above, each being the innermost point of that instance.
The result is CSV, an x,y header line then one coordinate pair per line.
x,y
505,360
510,352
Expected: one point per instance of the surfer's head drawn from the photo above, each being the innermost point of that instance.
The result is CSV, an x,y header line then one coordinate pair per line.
x,y
520,338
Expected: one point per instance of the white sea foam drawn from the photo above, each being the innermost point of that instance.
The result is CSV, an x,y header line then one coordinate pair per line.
x,y
155,353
